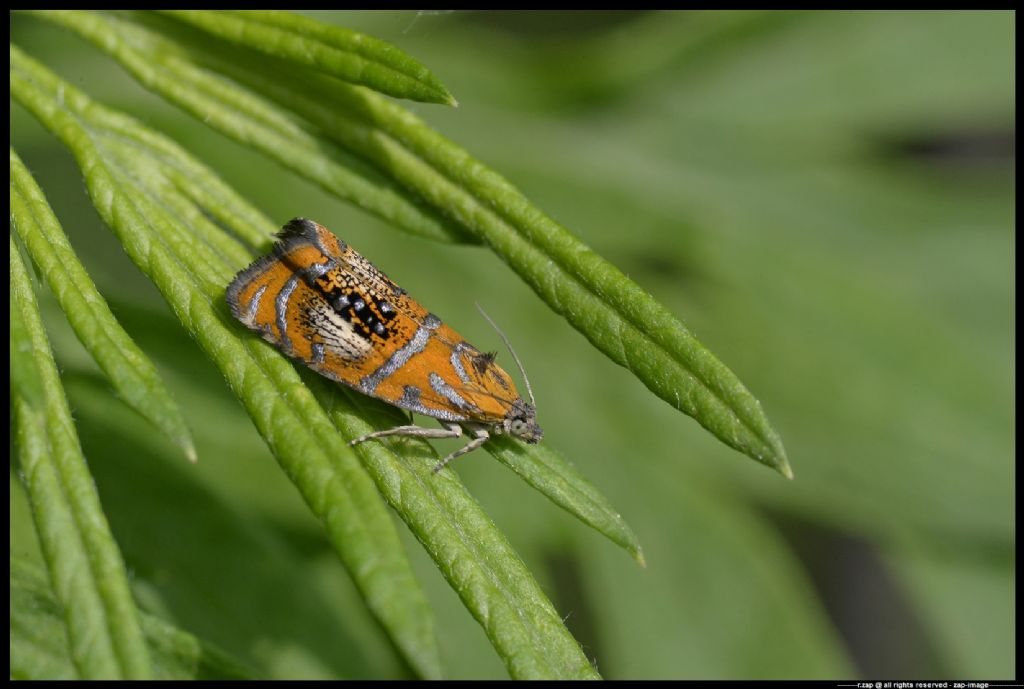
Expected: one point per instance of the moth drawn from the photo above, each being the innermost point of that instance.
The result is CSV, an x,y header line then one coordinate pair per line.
x,y
319,301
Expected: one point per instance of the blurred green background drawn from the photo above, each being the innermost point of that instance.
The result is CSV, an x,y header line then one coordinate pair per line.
x,y
826,199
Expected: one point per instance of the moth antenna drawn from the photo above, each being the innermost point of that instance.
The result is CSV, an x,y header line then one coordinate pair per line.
x,y
511,351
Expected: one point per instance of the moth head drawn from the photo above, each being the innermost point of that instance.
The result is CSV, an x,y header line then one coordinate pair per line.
x,y
521,422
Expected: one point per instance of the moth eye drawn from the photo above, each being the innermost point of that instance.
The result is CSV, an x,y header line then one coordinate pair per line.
x,y
518,426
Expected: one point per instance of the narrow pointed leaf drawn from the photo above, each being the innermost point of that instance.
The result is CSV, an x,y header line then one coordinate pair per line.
x,y
339,52
84,561
127,368
548,471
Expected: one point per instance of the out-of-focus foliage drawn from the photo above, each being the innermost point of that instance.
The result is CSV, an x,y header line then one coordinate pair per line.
x,y
826,198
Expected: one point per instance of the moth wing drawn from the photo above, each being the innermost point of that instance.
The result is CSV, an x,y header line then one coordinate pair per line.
x,y
320,301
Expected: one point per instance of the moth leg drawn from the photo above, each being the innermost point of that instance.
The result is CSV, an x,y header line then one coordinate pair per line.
x,y
452,431
481,436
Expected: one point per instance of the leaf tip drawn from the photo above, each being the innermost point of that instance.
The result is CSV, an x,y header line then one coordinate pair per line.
x,y
441,94
449,99
638,555
785,469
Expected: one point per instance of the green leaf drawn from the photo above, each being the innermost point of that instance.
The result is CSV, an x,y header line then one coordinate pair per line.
x,y
548,471
83,559
164,67
473,554
39,648
347,55
613,312
129,370
125,169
